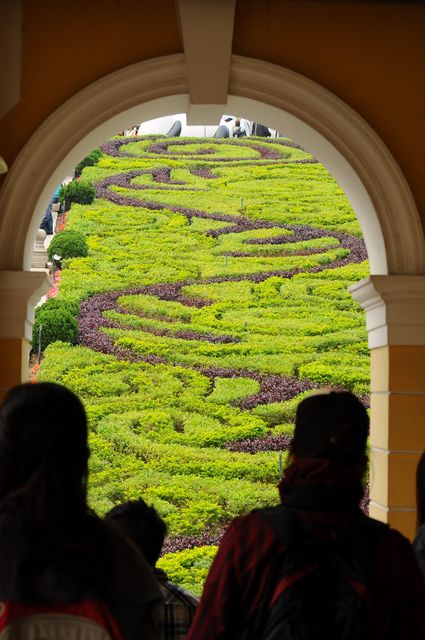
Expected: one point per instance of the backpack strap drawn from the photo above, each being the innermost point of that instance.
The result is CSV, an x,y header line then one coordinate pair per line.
x,y
288,527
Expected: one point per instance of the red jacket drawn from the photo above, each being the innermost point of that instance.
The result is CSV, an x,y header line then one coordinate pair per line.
x,y
242,565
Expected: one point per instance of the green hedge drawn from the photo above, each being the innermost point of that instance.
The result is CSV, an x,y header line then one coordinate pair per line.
x,y
68,244
90,160
56,324
189,568
79,191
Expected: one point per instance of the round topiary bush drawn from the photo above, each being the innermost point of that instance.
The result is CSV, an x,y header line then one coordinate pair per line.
x,y
68,244
88,161
56,324
77,191
63,304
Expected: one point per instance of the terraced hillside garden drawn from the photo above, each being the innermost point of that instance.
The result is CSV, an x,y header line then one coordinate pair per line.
x,y
213,297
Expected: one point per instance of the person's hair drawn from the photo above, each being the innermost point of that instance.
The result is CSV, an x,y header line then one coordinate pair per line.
x,y
44,454
43,488
420,491
331,424
141,524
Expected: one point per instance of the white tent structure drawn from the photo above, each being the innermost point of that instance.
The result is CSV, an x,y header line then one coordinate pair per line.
x,y
166,124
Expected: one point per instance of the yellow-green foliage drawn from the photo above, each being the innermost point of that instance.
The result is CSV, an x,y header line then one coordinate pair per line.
x,y
188,568
161,430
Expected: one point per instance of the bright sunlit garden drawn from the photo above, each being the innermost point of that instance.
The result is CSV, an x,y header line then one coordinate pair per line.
x,y
202,294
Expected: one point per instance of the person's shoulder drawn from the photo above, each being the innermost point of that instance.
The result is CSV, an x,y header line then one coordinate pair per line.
x,y
384,533
172,592
248,532
420,537
393,536
243,524
391,545
253,518
132,575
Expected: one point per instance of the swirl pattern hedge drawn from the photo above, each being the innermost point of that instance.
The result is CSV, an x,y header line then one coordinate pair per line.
x,y
214,295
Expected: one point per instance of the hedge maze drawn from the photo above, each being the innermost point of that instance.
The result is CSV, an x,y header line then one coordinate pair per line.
x,y
214,295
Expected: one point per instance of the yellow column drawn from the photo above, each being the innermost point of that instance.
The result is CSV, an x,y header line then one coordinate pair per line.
x,y
395,319
14,361
19,293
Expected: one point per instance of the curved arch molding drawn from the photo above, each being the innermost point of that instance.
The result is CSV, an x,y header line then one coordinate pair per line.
x,y
296,106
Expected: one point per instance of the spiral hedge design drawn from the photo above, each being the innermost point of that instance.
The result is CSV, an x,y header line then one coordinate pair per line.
x,y
273,388
214,294
266,150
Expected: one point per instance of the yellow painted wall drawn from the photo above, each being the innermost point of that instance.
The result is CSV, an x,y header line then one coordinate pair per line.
x,y
68,45
14,359
398,368
397,432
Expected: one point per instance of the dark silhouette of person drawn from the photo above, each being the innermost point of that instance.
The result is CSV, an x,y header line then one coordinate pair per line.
x,y
419,541
53,549
142,525
47,220
319,513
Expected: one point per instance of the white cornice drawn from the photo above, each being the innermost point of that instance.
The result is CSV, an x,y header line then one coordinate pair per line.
x,y
19,293
395,309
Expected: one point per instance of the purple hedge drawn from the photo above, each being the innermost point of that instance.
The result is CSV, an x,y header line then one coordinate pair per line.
x,y
265,149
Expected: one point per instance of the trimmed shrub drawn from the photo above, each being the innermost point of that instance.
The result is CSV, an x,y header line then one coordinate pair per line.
x,y
89,161
276,413
189,568
63,304
77,191
57,324
68,244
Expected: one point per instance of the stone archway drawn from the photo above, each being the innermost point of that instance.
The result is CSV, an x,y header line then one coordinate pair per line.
x,y
394,296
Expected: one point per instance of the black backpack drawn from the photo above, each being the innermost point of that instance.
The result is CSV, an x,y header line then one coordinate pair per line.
x,y
318,587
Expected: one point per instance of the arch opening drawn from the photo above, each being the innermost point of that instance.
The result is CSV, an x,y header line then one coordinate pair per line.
x,y
291,126
329,129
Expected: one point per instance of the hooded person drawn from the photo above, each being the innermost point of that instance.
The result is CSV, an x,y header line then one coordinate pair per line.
x,y
320,494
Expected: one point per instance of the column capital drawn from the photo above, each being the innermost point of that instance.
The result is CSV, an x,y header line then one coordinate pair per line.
x,y
19,293
395,309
